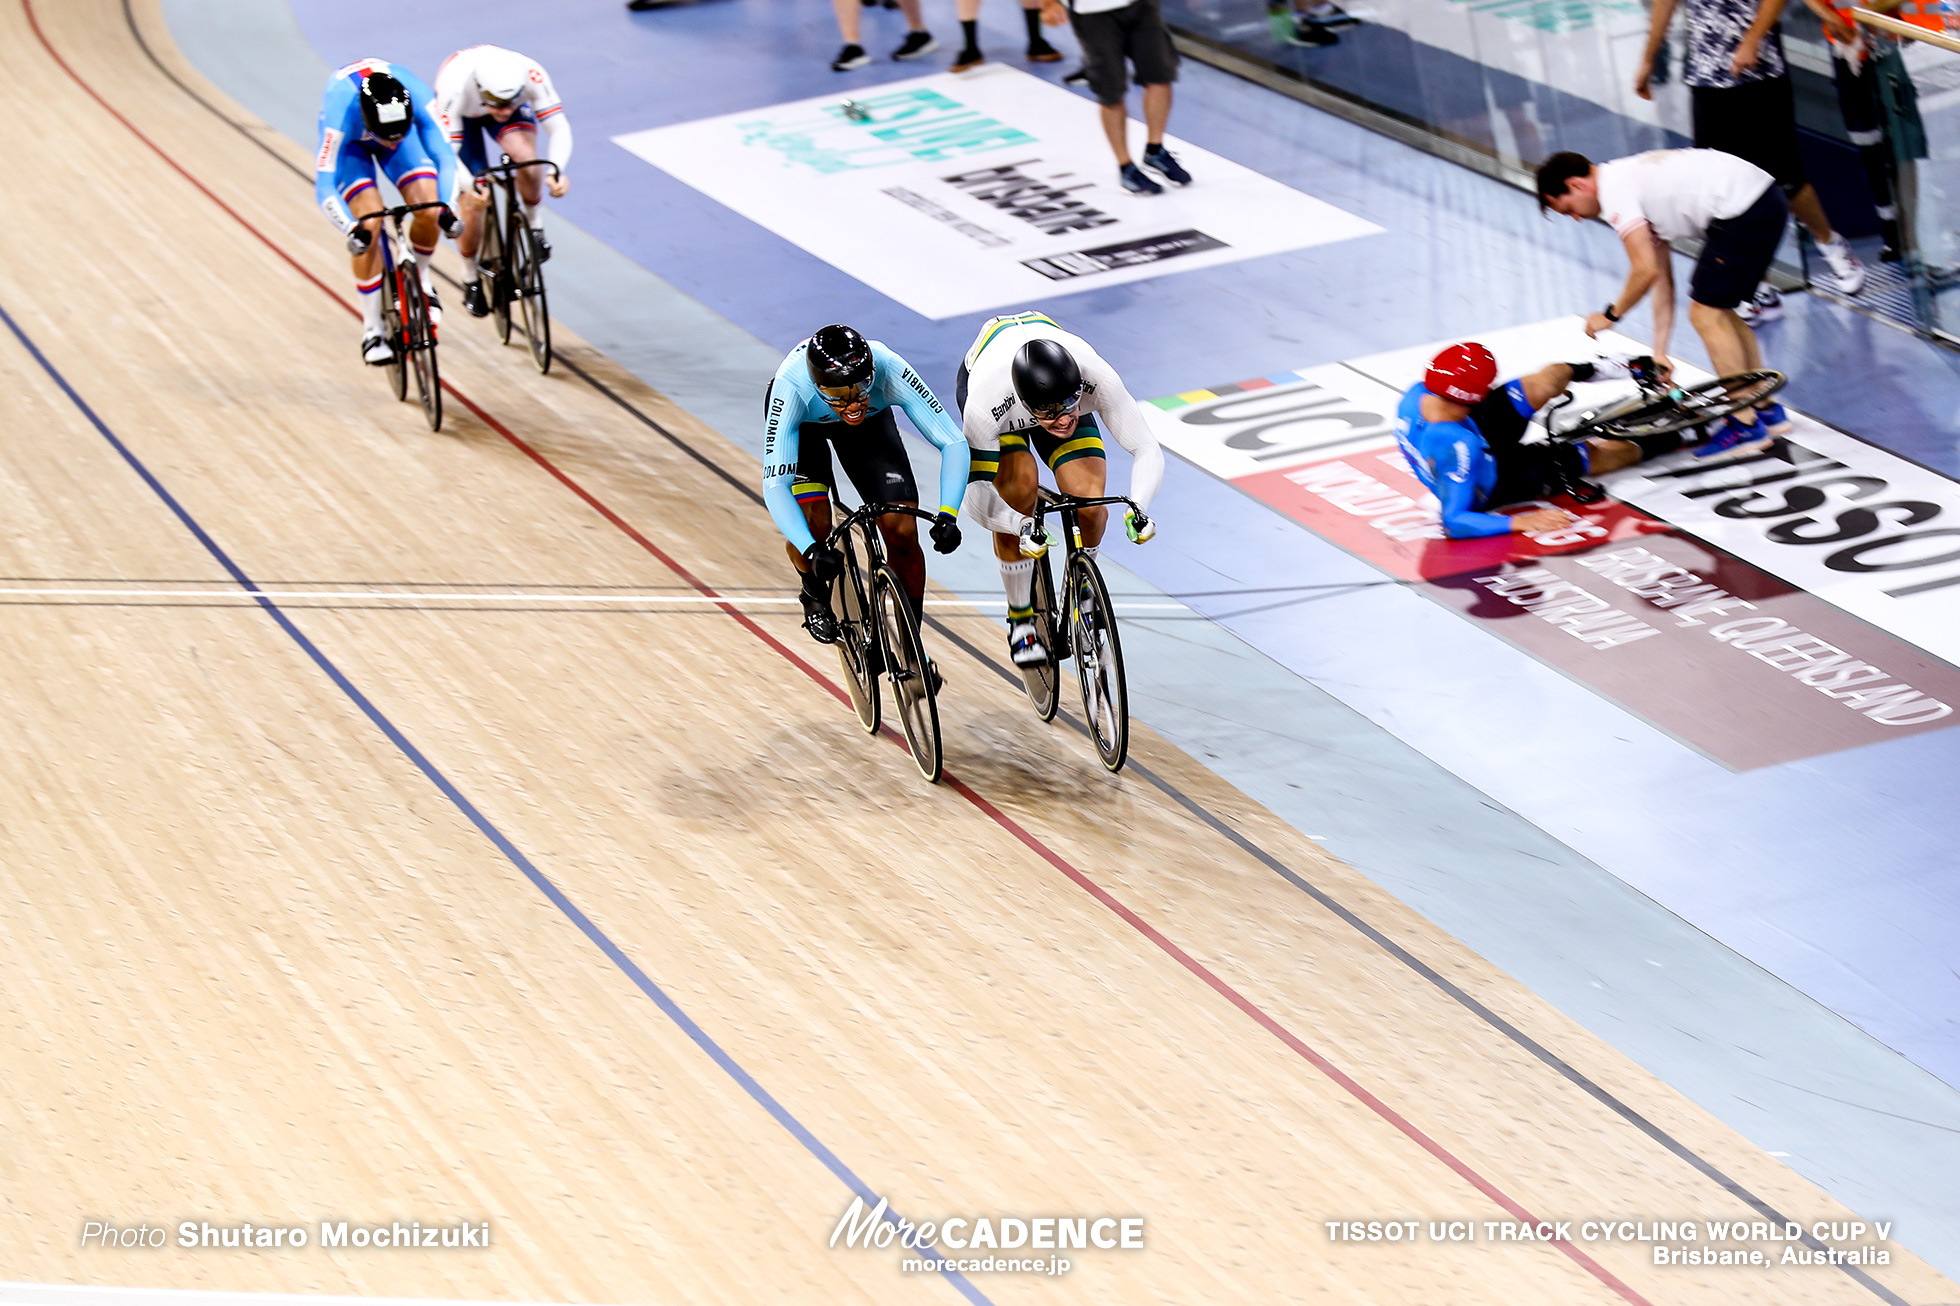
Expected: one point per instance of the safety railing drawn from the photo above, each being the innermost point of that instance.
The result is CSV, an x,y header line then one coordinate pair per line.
x,y
1910,64
1497,85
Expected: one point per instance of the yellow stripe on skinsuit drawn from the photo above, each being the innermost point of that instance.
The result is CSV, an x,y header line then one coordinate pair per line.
x,y
997,325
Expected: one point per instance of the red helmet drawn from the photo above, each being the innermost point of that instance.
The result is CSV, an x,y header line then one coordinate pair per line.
x,y
1464,372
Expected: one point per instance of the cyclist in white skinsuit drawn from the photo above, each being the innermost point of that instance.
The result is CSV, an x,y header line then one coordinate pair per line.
x,y
489,93
1028,387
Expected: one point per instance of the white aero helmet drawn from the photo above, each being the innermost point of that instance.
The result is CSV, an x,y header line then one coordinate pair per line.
x,y
501,75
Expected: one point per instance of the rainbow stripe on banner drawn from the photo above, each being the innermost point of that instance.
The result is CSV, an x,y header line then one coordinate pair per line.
x,y
1170,403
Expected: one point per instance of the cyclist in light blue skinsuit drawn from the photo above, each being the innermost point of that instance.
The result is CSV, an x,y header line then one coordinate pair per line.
x,y
378,112
839,389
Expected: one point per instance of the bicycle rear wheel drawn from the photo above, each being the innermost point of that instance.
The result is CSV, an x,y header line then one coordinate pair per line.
x,y
1098,661
421,337
856,641
391,326
913,693
529,279
1044,680
1679,408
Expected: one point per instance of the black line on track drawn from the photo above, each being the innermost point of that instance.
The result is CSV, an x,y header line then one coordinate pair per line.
x,y
1205,816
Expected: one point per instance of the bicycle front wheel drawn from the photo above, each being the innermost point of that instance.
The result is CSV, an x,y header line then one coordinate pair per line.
x,y
1098,661
856,641
530,293
913,693
1044,679
421,336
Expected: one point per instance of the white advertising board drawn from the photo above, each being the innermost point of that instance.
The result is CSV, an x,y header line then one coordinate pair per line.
x,y
959,193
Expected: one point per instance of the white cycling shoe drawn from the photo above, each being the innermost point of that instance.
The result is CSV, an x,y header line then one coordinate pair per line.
x,y
1617,367
1025,646
377,350
1032,546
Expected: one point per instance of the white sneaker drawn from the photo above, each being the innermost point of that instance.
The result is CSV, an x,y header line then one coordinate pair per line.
x,y
1025,645
1847,275
1766,306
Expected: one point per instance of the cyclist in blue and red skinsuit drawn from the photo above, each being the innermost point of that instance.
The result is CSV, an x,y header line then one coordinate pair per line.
x,y
378,112
1461,435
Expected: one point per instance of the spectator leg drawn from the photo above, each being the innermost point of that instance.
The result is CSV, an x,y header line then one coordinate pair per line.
x,y
1116,126
848,20
1156,111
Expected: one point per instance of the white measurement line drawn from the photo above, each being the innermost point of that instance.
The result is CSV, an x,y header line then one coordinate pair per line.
x,y
287,596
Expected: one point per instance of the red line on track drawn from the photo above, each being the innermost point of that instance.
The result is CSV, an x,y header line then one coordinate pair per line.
x,y
1000,818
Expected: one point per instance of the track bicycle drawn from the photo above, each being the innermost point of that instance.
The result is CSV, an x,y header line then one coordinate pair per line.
x,y
878,635
405,313
1081,626
508,265
1658,407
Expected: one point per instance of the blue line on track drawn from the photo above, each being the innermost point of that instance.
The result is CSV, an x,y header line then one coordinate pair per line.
x,y
510,850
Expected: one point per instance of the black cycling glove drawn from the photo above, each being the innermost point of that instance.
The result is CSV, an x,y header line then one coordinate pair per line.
x,y
945,533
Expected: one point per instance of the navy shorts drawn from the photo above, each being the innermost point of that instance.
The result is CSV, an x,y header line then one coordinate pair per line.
x,y
1737,251
473,149
1524,471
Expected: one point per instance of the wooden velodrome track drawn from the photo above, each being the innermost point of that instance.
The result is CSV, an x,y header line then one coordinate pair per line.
x,y
397,896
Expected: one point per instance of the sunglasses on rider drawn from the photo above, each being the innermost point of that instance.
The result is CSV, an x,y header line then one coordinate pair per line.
x,y
845,396
1057,411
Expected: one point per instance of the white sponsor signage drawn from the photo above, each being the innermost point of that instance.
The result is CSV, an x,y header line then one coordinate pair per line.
x,y
955,194
1859,527
1302,416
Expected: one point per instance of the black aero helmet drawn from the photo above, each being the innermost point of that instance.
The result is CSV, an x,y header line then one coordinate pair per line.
x,y
385,106
840,364
1047,380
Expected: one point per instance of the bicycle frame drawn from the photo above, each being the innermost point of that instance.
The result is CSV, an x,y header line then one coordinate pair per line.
x,y
502,200
1080,610
1663,405
878,634
398,257
513,274
413,335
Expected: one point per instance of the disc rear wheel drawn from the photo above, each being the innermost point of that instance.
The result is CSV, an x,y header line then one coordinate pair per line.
x,y
913,693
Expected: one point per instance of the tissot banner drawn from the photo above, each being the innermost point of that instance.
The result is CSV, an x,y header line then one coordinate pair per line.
x,y
959,193
1693,595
